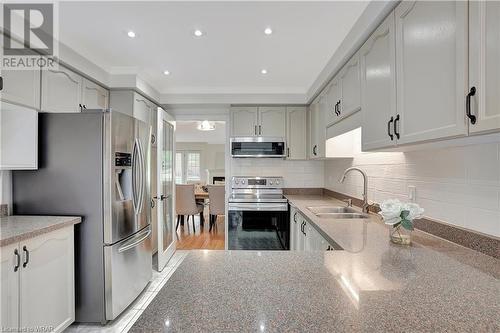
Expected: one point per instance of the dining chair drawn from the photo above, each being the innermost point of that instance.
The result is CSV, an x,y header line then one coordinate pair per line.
x,y
217,199
185,204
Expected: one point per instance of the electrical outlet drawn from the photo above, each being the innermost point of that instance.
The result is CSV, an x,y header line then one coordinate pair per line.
x,y
412,193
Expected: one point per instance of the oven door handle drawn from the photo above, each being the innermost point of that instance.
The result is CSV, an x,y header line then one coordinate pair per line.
x,y
258,206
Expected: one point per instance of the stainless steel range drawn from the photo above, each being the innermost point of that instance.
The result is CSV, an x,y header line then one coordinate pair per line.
x,y
258,214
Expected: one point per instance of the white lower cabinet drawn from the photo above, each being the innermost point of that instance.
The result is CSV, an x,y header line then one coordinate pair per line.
x,y
38,282
304,236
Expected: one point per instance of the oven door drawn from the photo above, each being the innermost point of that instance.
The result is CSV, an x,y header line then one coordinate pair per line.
x,y
258,226
258,147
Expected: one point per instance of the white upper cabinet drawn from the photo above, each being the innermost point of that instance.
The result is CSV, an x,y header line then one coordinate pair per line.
x,y
350,88
484,65
94,96
18,137
331,107
143,108
378,86
21,87
431,65
317,129
272,121
61,90
296,133
244,121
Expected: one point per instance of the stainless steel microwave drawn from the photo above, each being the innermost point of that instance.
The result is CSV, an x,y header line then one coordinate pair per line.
x,y
258,146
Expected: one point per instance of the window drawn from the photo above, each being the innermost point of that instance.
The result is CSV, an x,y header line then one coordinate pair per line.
x,y
187,167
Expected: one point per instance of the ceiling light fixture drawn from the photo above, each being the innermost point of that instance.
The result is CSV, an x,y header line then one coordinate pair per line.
x,y
131,34
198,33
264,71
206,125
268,31
166,72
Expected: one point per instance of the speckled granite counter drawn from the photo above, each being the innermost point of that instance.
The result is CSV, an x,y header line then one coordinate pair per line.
x,y
14,229
370,286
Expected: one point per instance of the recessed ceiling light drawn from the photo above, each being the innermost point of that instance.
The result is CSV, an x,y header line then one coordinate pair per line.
x,y
131,34
268,31
264,71
198,33
166,72
206,125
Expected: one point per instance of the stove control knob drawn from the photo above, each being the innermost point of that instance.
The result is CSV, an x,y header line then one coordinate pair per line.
x,y
243,181
277,182
271,182
236,181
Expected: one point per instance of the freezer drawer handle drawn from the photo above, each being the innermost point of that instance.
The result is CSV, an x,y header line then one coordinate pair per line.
x,y
126,247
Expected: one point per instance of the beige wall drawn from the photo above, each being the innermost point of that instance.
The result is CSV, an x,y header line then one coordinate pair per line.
x,y
212,155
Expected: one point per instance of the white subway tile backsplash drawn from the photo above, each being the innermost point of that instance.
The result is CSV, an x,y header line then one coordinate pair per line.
x,y
295,173
459,185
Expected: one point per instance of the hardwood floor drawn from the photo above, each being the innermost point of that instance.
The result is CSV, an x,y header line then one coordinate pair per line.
x,y
202,238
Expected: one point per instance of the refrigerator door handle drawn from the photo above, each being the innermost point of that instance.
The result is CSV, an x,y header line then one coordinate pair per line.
x,y
135,158
139,238
142,177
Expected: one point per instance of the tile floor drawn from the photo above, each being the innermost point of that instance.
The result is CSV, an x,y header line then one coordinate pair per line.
x,y
125,321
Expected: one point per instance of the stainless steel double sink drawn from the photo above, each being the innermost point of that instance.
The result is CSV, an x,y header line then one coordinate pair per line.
x,y
336,212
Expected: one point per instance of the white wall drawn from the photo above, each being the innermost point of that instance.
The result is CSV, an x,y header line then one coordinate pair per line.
x,y
295,173
212,155
459,185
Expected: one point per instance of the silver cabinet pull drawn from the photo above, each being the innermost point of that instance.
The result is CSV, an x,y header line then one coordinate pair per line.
x,y
26,256
260,130
18,260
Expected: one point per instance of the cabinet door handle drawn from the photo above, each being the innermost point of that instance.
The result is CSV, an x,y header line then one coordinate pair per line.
x,y
153,139
389,128
18,260
26,256
396,127
314,150
287,152
472,117
339,108
260,130
255,130
1,83
295,217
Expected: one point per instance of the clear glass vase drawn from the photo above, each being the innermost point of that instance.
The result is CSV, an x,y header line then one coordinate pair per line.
x,y
400,235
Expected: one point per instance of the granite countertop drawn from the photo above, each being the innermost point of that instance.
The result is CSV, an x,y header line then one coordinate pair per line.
x,y
370,286
14,229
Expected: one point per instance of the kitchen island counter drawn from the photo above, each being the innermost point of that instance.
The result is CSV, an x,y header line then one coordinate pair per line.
x,y
370,286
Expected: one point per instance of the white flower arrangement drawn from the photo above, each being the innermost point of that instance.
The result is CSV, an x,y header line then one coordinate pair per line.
x,y
396,213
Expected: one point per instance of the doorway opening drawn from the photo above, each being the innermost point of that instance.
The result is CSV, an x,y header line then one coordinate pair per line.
x,y
200,156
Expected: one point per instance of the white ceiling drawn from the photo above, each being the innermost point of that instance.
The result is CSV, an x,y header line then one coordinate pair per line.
x,y
228,58
187,131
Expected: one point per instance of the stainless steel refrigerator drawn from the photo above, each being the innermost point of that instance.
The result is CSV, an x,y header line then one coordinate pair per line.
x,y
95,164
